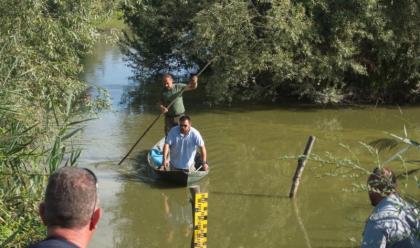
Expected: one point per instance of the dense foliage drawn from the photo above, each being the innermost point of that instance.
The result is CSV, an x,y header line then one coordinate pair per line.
x,y
41,43
322,51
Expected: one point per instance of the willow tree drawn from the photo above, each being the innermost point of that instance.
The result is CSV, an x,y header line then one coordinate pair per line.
x,y
41,44
325,51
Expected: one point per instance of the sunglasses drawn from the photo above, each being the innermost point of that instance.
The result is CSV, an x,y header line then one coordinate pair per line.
x,y
95,180
181,125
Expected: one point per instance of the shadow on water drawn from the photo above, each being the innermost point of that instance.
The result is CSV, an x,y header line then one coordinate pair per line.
x,y
241,194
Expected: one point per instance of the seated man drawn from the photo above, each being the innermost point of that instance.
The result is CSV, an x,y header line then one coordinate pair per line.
x,y
181,145
393,222
70,209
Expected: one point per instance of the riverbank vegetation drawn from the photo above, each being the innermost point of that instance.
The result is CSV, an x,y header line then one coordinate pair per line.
x,y
323,51
42,102
113,23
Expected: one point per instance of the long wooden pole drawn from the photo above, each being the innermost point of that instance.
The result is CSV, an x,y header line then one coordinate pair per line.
x,y
301,166
157,118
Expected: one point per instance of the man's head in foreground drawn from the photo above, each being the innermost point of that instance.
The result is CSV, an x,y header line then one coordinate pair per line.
x,y
381,183
70,208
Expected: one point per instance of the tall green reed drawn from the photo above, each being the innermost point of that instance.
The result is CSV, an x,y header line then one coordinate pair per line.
x,y
25,164
42,102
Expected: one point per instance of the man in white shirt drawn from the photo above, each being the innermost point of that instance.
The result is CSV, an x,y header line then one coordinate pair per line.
x,y
393,222
181,145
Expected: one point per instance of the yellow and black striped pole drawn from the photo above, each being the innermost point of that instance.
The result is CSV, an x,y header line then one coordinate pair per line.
x,y
200,214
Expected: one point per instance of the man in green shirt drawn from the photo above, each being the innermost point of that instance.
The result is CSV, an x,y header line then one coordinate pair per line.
x,y
170,92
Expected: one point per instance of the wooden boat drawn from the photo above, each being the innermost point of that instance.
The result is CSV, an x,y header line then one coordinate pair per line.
x,y
154,159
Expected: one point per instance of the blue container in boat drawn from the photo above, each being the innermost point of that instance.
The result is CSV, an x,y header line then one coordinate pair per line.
x,y
157,157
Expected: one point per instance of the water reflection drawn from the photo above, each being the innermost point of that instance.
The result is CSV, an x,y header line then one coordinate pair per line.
x,y
301,224
270,226
107,68
153,217
178,215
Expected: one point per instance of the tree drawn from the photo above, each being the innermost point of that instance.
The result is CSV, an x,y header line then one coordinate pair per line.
x,y
323,51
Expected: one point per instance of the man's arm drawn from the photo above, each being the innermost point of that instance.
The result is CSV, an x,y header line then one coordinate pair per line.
x,y
162,108
193,84
165,160
204,157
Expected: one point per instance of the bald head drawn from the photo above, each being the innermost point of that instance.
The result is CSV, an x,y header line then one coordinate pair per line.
x,y
167,81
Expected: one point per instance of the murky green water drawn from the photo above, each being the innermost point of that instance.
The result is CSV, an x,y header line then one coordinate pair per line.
x,y
249,181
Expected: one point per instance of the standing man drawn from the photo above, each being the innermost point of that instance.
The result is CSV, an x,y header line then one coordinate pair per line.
x,y
70,209
170,92
181,145
394,222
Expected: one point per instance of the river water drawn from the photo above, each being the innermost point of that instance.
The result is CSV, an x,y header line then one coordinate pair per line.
x,y
251,173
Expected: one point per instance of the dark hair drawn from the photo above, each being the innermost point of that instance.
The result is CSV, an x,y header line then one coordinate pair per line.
x,y
382,180
184,118
70,197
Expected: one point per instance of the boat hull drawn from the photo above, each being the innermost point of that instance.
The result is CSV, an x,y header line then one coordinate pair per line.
x,y
183,178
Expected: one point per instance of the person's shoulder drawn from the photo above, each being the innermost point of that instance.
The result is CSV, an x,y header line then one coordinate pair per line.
x,y
390,209
54,243
394,202
196,132
173,131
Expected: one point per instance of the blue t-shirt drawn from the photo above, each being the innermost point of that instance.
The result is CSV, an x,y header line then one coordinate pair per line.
x,y
182,148
394,223
54,242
